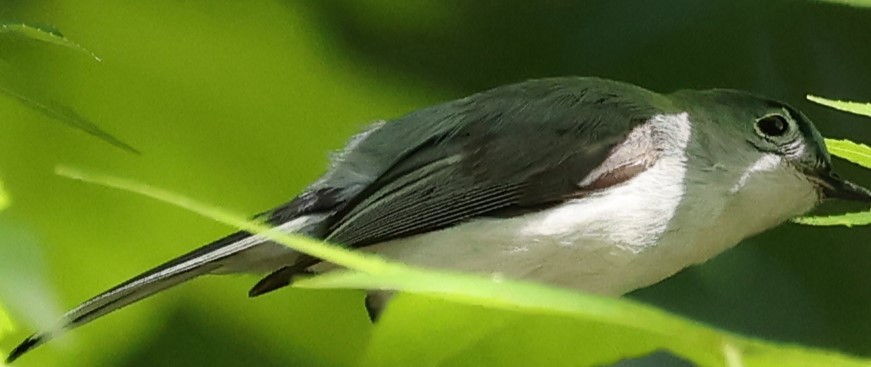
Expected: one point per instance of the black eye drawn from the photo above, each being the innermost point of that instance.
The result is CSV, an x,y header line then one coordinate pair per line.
x,y
774,125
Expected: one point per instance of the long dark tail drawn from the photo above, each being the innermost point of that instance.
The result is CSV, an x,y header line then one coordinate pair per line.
x,y
207,259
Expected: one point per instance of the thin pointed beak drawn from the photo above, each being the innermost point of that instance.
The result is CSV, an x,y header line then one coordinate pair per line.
x,y
835,187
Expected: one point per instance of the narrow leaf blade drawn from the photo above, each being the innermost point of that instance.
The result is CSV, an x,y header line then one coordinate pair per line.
x,y
70,117
44,34
848,220
846,106
56,111
855,3
854,152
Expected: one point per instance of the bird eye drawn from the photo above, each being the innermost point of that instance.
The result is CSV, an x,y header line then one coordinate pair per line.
x,y
772,125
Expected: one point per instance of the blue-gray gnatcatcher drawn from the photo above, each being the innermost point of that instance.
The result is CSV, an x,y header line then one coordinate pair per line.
x,y
579,182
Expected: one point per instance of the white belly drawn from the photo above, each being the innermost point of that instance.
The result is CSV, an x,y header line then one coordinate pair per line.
x,y
500,247
630,237
607,243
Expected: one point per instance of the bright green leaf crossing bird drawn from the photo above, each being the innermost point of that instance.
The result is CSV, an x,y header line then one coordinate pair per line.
x,y
584,183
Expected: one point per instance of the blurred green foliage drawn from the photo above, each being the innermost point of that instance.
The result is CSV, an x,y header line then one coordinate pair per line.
x,y
5,328
4,197
238,103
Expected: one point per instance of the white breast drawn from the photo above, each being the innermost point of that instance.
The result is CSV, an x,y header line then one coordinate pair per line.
x,y
593,243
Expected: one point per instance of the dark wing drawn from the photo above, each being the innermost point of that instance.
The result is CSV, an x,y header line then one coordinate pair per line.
x,y
485,167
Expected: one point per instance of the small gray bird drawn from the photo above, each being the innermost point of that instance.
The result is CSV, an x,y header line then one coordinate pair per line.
x,y
583,183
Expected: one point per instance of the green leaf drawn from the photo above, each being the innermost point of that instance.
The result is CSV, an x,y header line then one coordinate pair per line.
x,y
56,111
68,116
612,328
44,34
856,153
853,152
849,220
632,329
846,106
856,3
496,337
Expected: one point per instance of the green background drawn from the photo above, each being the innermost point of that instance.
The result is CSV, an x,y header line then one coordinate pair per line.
x,y
239,103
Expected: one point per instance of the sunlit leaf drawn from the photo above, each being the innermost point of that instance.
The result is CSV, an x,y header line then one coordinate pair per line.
x,y
849,220
44,34
631,322
459,334
846,106
853,152
634,328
